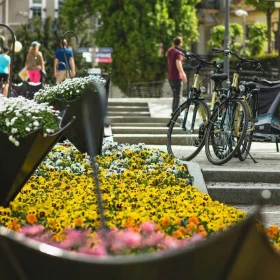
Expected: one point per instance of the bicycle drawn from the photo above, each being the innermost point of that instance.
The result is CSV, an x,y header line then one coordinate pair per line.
x,y
249,93
228,124
191,118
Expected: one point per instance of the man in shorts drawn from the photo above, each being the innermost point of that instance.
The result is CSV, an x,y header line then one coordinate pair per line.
x,y
60,65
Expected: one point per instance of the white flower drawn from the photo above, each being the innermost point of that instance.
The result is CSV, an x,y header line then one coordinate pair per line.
x,y
19,117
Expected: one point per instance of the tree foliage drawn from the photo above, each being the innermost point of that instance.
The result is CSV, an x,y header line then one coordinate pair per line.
x,y
268,8
257,34
217,36
140,32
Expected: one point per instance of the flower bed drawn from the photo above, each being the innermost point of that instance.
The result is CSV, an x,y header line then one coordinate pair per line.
x,y
68,90
149,203
20,117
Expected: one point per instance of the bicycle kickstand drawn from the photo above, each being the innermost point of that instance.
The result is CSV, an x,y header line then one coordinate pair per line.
x,y
252,158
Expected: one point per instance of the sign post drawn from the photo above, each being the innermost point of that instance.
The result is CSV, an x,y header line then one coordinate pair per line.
x,y
103,55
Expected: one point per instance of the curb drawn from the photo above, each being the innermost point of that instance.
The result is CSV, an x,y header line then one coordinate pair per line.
x,y
244,194
241,176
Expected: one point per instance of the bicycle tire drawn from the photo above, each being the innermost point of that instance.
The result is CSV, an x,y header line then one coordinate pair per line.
x,y
185,144
222,144
245,146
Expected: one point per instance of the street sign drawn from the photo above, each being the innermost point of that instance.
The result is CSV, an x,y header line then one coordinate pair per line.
x,y
81,50
103,60
102,55
94,72
103,50
23,74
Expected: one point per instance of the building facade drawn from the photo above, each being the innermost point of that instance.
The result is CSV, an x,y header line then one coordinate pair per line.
x,y
209,13
212,12
16,12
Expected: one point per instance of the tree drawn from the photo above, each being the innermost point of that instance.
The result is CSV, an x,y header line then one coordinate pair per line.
x,y
257,34
136,29
217,36
268,8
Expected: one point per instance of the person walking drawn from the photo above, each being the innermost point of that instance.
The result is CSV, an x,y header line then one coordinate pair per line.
x,y
35,63
5,62
176,73
60,64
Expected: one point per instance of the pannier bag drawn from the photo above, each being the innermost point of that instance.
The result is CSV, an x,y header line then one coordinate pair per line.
x,y
268,125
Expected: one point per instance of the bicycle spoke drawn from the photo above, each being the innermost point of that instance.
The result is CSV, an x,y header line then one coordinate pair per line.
x,y
186,139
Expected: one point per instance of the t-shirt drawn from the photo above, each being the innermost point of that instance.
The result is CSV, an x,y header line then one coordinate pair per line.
x,y
5,60
59,54
173,55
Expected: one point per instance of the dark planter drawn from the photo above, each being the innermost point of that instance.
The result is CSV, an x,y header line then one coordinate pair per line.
x,y
17,164
94,98
242,252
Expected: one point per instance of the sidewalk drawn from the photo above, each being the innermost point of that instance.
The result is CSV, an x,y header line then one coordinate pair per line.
x,y
264,153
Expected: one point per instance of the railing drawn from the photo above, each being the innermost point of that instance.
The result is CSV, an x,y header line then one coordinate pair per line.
x,y
151,89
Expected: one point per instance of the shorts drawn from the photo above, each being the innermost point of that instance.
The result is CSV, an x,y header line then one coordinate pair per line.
x,y
61,76
4,77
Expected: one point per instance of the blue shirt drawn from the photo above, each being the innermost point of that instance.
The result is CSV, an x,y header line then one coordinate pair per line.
x,y
59,54
5,60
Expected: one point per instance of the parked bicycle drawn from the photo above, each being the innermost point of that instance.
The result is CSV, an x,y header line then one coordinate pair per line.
x,y
191,118
249,92
228,124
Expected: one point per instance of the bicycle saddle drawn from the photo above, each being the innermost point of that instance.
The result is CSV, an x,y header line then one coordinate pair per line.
x,y
219,77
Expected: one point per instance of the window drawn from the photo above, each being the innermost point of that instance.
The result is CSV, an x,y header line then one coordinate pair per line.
x,y
35,8
37,12
98,21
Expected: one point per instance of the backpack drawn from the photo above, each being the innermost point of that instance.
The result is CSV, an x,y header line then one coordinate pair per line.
x,y
34,61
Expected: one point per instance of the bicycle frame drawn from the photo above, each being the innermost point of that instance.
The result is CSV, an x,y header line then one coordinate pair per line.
x,y
192,91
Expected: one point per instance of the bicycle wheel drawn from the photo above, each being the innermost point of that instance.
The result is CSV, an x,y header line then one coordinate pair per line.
x,y
186,133
226,131
245,146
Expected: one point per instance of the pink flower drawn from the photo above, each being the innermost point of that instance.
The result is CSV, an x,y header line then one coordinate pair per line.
x,y
196,237
99,250
153,239
32,230
74,238
131,238
171,243
148,227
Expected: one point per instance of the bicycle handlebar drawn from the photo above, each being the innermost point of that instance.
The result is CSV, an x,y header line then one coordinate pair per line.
x,y
202,61
255,62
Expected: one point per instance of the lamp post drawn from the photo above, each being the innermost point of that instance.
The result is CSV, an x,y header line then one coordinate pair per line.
x,y
16,47
63,48
244,14
226,42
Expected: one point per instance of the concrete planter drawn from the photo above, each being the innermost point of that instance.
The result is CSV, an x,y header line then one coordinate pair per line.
x,y
241,252
17,164
77,132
